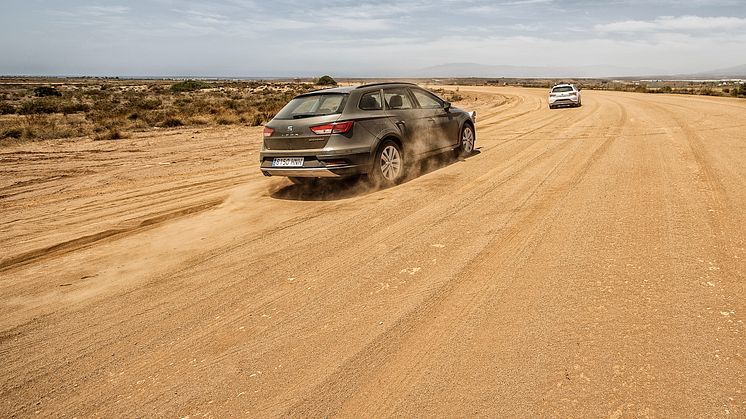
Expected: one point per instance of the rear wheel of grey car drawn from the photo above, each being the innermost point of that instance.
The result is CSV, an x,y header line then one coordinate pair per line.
x,y
466,141
388,166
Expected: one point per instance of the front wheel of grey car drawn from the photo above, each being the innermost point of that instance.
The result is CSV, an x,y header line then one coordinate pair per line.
x,y
466,141
388,166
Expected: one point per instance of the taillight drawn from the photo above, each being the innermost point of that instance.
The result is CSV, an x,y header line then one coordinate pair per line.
x,y
335,128
268,131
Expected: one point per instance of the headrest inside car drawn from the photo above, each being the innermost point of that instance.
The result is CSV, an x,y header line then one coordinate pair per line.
x,y
395,102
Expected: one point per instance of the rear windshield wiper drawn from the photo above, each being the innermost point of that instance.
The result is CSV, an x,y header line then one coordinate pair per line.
x,y
305,115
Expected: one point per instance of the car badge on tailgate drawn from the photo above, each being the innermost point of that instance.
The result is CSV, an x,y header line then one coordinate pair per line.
x,y
290,132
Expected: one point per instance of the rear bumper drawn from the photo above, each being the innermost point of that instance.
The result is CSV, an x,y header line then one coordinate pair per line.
x,y
567,100
299,172
327,165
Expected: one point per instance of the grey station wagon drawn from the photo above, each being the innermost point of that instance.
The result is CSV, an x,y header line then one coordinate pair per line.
x,y
374,130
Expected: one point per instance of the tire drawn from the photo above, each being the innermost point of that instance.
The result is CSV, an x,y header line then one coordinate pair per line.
x,y
467,139
388,165
551,107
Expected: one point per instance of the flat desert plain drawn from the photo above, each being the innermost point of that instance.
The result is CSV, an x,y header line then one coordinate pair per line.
x,y
585,262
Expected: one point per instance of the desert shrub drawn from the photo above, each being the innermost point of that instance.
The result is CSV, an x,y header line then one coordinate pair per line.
x,y
110,134
12,133
256,120
666,89
198,121
39,106
145,103
189,86
455,97
73,107
172,123
739,91
227,119
105,109
326,81
46,91
6,108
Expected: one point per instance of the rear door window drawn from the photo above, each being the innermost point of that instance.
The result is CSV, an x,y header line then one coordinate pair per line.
x,y
397,98
371,101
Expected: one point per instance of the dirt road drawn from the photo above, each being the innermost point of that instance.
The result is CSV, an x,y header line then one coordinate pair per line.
x,y
586,262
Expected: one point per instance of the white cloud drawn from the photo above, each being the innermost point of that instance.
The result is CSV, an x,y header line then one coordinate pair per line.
x,y
674,23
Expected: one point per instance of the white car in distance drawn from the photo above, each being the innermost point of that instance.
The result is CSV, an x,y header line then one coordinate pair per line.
x,y
564,95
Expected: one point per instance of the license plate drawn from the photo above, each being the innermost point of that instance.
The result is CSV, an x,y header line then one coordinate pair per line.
x,y
287,162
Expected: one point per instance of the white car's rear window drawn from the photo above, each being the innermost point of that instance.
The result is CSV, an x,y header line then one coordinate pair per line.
x,y
562,89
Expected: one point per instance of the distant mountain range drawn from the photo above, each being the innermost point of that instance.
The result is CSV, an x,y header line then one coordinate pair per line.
x,y
737,72
463,70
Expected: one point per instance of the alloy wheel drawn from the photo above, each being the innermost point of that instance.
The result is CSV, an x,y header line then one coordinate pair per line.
x,y
390,163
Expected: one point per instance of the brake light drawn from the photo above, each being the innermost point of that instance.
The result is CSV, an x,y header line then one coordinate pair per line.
x,y
335,128
268,131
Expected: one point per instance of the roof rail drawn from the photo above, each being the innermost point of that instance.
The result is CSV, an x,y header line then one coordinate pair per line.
x,y
385,83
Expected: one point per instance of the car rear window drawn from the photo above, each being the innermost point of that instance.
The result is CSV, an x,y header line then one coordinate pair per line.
x,y
562,89
313,105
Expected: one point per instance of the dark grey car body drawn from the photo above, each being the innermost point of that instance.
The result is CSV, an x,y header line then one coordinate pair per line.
x,y
377,116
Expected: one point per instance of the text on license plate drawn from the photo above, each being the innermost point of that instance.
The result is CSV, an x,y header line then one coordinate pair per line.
x,y
287,162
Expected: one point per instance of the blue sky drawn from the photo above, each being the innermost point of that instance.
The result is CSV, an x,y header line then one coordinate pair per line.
x,y
364,38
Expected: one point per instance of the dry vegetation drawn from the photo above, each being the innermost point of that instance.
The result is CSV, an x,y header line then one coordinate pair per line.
x,y
707,88
36,108
111,108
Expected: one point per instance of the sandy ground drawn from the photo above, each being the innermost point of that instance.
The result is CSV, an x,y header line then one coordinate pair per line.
x,y
585,263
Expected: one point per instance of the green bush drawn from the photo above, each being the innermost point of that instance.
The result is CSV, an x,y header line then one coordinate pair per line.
x,y
326,81
189,86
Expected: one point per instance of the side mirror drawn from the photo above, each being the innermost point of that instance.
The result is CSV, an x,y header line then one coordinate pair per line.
x,y
447,106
